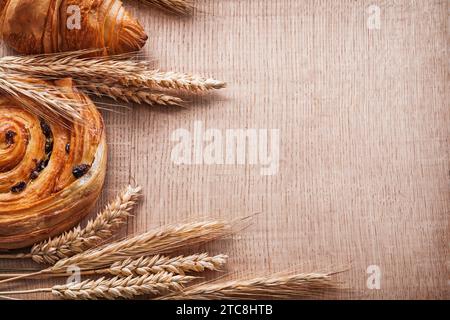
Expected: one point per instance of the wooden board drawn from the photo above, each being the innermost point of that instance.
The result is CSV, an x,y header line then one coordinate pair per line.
x,y
364,126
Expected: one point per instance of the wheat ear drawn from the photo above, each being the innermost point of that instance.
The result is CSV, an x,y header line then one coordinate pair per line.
x,y
158,263
154,264
131,94
112,70
275,286
174,80
182,7
117,287
44,100
95,232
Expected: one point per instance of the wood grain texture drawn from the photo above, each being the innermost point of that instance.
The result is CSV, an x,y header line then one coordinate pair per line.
x,y
364,122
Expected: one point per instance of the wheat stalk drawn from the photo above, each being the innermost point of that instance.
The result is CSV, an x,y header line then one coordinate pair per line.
x,y
274,286
77,63
158,263
96,231
131,94
15,256
183,7
153,264
174,80
44,100
117,287
112,70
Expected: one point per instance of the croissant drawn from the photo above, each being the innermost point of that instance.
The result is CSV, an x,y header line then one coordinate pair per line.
x,y
48,26
50,174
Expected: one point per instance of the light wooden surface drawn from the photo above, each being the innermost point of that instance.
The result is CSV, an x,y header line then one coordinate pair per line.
x,y
364,125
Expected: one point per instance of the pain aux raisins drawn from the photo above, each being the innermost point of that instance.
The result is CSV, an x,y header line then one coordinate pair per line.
x,y
80,170
19,187
9,137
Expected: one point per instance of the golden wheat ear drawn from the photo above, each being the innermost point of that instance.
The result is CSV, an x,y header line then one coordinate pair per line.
x,y
290,286
180,7
77,240
115,288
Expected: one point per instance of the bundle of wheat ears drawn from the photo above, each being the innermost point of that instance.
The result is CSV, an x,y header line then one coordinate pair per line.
x,y
139,265
119,77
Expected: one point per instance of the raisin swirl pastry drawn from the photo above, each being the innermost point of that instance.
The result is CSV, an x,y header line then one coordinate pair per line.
x,y
50,174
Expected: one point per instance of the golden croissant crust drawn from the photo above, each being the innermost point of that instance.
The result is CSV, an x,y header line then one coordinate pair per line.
x,y
48,26
50,174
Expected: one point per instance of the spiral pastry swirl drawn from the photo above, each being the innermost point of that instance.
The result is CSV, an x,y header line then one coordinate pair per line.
x,y
50,174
